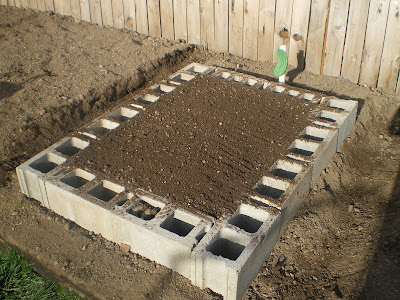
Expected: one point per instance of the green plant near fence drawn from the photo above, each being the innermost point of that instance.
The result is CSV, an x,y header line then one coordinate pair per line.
x,y
19,281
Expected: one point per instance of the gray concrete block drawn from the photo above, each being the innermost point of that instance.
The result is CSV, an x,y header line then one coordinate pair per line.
x,y
228,258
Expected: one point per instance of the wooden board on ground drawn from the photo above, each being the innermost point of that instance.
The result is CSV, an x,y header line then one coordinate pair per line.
x,y
316,35
299,32
221,15
180,20
129,14
118,13
167,19
153,13
95,12
355,35
193,21
283,20
374,38
266,22
142,25
250,29
207,23
336,33
390,64
236,27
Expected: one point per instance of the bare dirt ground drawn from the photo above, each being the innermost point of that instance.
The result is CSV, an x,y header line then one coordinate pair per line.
x,y
56,75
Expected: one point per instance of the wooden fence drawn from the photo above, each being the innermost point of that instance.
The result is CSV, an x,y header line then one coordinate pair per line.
x,y
356,39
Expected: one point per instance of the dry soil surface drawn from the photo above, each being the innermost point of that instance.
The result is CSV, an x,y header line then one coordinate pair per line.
x,y
56,75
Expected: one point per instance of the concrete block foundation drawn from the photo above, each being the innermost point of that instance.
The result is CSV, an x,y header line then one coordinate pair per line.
x,y
222,254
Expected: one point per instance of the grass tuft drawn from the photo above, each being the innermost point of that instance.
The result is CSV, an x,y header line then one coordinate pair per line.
x,y
19,281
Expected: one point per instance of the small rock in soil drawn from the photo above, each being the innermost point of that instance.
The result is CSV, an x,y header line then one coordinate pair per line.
x,y
125,248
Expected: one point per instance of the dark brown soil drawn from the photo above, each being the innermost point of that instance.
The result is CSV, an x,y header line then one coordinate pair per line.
x,y
204,145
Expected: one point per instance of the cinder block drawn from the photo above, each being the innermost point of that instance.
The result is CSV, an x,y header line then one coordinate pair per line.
x,y
196,68
166,235
228,257
84,199
348,109
284,187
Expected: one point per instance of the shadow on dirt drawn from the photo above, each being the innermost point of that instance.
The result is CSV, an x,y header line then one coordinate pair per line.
x,y
383,280
7,89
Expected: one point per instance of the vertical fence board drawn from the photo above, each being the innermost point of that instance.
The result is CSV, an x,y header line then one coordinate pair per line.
x,y
32,4
10,2
355,36
153,12
221,12
142,25
316,35
283,19
335,37
299,32
129,14
180,20
50,5
167,19
207,23
250,28
266,24
118,13
3,2
95,11
85,10
390,64
41,5
25,3
193,21
374,37
75,9
236,27
66,8
106,13
58,6
17,3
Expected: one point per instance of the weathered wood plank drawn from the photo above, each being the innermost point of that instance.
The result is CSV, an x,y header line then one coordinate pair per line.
x,y
153,12
106,13
167,19
250,29
50,5
66,8
4,2
129,14
374,38
266,22
85,10
10,2
95,12
17,3
283,20
207,24
76,9
316,33
142,25
25,4
335,37
355,36
236,27
32,4
41,5
58,7
180,20
193,21
390,64
299,32
118,13
221,39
